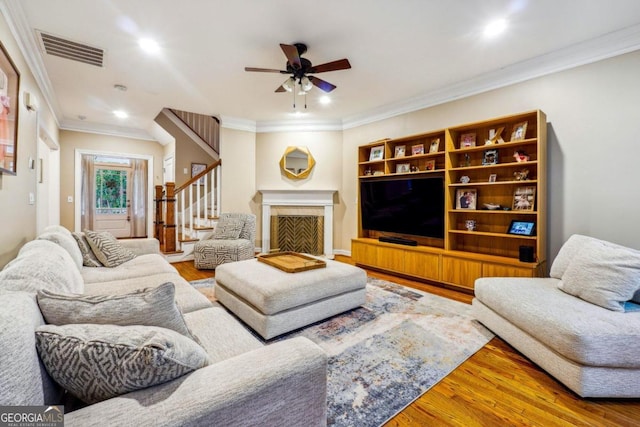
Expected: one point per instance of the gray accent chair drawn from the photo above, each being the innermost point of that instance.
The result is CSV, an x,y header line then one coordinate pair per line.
x,y
209,252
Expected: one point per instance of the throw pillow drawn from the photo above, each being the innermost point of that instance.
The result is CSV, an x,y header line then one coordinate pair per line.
x,y
88,257
228,229
146,307
97,362
603,274
107,249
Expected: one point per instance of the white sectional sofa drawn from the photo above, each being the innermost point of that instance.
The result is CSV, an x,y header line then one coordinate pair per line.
x,y
568,332
244,383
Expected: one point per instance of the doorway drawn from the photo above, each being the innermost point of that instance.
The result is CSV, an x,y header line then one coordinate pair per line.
x,y
113,194
112,203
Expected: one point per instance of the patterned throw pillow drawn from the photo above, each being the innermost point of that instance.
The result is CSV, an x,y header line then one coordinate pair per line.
x,y
145,307
107,249
97,362
228,229
88,257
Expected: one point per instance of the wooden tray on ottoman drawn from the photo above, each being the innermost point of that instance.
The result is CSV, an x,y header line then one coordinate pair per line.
x,y
291,262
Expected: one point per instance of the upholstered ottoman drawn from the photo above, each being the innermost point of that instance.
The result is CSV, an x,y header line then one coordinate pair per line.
x,y
273,302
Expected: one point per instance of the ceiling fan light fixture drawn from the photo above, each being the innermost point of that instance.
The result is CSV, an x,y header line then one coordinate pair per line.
x,y
289,84
306,84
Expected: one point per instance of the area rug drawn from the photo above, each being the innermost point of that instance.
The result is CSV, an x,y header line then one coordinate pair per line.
x,y
387,353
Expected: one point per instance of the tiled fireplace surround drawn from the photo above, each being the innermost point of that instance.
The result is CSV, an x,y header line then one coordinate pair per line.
x,y
296,201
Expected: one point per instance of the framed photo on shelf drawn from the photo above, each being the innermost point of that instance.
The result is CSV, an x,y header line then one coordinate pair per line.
x,y
490,157
522,228
377,153
524,199
430,165
466,198
417,149
403,167
519,131
400,151
493,177
435,146
468,140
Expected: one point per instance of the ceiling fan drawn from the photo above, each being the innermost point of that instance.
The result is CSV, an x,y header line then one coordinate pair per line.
x,y
299,68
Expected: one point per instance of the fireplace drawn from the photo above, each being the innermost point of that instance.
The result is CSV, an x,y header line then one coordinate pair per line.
x,y
298,220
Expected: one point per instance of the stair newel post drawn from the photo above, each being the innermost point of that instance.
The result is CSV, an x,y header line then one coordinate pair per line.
x,y
158,229
170,221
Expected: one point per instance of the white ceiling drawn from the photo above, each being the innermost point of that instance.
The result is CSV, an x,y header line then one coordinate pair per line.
x,y
405,54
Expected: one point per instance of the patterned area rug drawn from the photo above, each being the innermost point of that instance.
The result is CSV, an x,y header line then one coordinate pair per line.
x,y
387,353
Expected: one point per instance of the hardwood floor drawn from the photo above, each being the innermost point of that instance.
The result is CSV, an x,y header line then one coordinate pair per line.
x,y
497,386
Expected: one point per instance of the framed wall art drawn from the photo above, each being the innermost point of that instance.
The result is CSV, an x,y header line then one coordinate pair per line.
x,y
9,86
197,168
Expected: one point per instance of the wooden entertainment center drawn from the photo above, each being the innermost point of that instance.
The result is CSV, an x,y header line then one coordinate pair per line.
x,y
495,200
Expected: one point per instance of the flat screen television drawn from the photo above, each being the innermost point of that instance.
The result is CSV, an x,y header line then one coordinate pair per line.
x,y
404,205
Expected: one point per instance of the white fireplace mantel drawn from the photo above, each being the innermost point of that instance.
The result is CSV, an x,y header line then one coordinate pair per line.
x,y
317,198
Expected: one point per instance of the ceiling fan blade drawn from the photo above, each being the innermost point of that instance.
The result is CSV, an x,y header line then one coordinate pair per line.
x,y
265,70
325,86
291,52
281,89
340,64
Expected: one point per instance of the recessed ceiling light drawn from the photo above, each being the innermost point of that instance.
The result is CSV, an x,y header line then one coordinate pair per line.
x,y
495,27
120,114
324,100
149,45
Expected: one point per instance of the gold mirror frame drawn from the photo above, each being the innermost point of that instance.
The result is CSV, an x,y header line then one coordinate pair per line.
x,y
294,174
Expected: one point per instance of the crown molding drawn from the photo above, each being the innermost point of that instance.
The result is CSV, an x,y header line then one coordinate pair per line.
x,y
29,47
299,126
102,129
238,123
607,46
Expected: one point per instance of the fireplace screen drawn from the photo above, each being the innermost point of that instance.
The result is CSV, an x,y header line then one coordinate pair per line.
x,y
297,233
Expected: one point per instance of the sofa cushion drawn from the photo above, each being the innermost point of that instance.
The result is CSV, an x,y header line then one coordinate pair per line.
x,y
605,275
107,249
67,242
89,259
187,297
228,338
578,330
42,264
140,266
146,307
24,379
97,362
228,229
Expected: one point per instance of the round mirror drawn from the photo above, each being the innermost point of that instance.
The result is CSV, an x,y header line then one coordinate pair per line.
x,y
297,162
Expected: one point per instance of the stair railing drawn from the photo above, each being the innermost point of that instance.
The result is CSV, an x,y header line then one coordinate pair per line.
x,y
193,206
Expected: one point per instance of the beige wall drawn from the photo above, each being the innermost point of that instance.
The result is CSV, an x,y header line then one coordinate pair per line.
x,y
238,154
326,149
70,141
17,216
593,146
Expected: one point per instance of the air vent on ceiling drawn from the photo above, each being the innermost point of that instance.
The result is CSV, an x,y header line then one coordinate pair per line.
x,y
71,50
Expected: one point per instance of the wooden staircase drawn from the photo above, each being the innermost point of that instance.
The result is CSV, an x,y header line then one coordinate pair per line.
x,y
184,214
